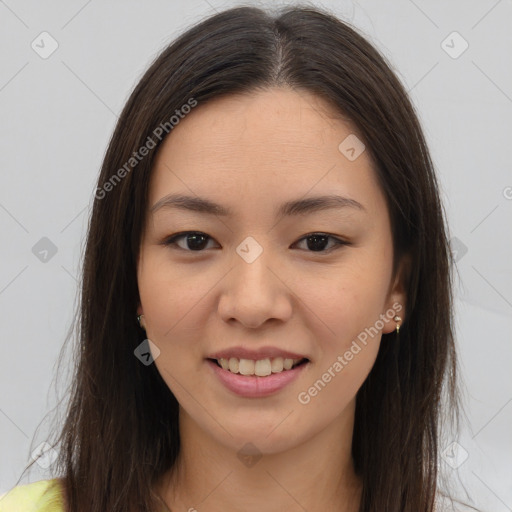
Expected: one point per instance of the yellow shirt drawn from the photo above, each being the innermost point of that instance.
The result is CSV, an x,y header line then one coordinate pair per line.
x,y
41,496
46,496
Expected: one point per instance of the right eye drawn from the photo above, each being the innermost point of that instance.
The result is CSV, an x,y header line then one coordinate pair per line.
x,y
195,241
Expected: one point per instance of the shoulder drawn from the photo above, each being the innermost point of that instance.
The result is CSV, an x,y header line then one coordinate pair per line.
x,y
41,496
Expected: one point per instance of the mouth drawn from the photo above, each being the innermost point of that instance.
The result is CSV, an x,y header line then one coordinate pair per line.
x,y
260,367
257,378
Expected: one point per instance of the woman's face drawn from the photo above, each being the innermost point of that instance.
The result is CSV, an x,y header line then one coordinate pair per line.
x,y
254,281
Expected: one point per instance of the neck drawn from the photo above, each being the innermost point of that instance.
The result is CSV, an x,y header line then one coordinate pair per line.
x,y
315,475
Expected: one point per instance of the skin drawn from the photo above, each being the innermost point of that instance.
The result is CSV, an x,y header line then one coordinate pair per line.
x,y
251,153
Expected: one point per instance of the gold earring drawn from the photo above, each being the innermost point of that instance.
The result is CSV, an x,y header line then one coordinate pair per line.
x,y
397,319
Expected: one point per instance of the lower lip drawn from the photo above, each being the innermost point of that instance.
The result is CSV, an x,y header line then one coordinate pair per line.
x,y
251,386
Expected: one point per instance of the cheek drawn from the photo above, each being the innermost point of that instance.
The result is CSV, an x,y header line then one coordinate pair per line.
x,y
348,298
348,336
168,297
349,301
173,305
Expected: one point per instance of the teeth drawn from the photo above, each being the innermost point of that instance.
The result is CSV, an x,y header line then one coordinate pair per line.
x,y
287,364
233,365
277,365
261,368
246,367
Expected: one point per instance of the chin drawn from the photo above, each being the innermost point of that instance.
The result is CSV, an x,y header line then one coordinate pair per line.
x,y
270,436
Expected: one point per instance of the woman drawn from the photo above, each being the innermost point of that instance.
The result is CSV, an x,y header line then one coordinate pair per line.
x,y
266,310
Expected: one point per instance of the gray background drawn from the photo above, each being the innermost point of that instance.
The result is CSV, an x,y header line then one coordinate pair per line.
x,y
58,114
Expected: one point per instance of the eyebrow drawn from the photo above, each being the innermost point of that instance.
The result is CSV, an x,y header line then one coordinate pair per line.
x,y
289,208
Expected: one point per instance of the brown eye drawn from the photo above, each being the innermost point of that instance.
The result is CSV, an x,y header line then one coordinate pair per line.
x,y
317,242
194,241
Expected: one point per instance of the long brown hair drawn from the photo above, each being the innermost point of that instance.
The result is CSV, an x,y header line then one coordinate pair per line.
x,y
121,427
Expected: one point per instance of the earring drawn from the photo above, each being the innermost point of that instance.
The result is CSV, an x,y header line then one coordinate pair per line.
x,y
397,319
139,320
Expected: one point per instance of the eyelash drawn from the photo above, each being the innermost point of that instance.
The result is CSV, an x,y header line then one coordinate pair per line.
x,y
171,241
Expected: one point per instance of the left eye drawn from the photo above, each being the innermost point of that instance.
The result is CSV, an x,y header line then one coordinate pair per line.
x,y
317,242
195,241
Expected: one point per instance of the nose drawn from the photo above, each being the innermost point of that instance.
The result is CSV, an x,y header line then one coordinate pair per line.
x,y
254,293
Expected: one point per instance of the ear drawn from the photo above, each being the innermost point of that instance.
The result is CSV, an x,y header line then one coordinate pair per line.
x,y
397,297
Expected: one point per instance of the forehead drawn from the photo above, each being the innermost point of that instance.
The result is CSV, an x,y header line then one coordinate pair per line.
x,y
263,144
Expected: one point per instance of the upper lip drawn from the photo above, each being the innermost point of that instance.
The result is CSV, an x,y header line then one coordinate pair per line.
x,y
255,354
